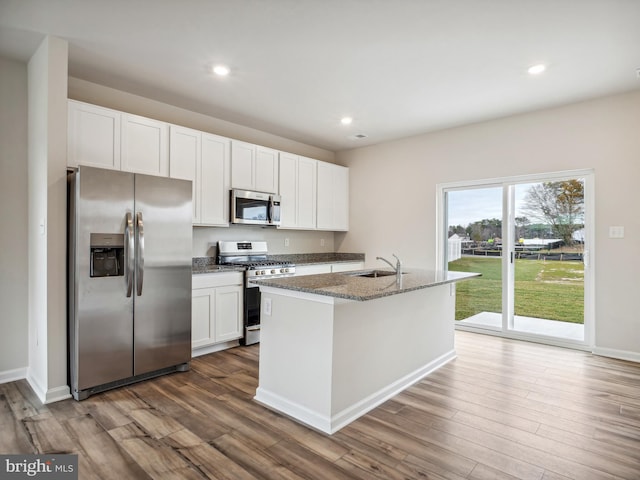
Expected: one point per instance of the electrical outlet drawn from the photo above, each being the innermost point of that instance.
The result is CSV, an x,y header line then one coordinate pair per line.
x,y
616,232
322,242
286,242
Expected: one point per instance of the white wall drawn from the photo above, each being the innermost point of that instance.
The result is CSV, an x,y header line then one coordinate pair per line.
x,y
47,158
300,241
603,134
13,218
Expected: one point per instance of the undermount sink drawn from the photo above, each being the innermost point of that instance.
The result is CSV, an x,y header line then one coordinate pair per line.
x,y
373,274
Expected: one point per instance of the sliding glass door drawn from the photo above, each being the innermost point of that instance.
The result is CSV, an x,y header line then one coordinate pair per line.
x,y
529,237
474,244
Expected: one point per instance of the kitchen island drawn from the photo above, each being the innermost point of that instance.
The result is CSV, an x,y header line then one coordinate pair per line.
x,y
334,346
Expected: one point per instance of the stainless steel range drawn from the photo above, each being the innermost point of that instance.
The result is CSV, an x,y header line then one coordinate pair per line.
x,y
254,257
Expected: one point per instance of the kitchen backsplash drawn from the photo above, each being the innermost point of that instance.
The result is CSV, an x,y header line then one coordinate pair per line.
x,y
205,239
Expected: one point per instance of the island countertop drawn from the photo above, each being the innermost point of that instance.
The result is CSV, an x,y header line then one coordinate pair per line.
x,y
352,286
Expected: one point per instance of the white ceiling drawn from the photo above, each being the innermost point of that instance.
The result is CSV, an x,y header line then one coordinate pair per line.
x,y
398,67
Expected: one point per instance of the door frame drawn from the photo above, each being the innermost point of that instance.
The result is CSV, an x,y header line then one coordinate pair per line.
x,y
507,184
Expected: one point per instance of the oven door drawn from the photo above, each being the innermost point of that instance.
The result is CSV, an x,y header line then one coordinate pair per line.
x,y
251,315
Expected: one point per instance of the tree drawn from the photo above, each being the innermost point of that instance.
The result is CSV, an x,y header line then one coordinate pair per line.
x,y
559,204
521,226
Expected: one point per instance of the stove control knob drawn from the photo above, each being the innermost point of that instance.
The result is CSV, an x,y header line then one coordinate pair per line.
x,y
262,272
273,271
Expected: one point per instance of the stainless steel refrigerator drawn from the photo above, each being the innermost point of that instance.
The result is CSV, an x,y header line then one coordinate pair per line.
x,y
129,278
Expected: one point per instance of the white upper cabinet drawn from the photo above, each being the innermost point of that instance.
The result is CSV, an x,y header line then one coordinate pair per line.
x,y
242,165
254,167
333,197
297,181
204,159
215,180
145,145
314,194
94,136
266,170
288,184
185,161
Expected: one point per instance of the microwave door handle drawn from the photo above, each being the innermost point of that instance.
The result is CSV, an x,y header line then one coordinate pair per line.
x,y
129,249
273,217
140,254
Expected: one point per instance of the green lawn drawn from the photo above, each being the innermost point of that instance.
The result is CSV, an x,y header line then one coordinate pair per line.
x,y
543,289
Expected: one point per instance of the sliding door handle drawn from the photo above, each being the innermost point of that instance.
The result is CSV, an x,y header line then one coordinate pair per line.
x,y
139,254
129,250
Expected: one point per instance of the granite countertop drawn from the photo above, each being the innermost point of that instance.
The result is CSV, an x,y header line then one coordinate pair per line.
x,y
209,265
353,287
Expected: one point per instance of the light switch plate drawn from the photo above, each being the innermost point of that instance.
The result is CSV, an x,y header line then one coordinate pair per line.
x,y
266,306
616,232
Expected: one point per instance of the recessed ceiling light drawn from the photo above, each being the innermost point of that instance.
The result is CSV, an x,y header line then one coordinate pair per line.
x,y
346,120
221,70
536,69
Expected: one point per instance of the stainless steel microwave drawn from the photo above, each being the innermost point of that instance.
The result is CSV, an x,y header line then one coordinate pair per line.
x,y
255,208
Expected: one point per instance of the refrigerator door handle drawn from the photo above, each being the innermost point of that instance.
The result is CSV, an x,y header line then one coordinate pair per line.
x,y
129,253
140,254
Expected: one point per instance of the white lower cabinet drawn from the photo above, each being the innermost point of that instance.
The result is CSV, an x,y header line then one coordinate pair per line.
x,y
216,312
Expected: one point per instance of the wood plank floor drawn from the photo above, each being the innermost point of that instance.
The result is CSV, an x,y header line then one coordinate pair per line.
x,y
502,410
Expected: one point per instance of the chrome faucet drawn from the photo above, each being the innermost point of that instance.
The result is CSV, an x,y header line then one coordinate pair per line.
x,y
397,268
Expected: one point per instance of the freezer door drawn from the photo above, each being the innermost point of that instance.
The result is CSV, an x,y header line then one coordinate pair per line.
x,y
162,316
100,313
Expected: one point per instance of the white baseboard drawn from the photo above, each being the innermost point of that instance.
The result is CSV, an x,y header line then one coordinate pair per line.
x,y
293,410
37,388
196,352
355,411
619,354
13,375
50,395
331,424
57,394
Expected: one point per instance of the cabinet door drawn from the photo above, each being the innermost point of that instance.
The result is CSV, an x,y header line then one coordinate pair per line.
x,y
94,136
333,197
306,200
325,196
228,313
202,312
288,184
144,146
215,180
266,170
184,161
341,198
242,165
